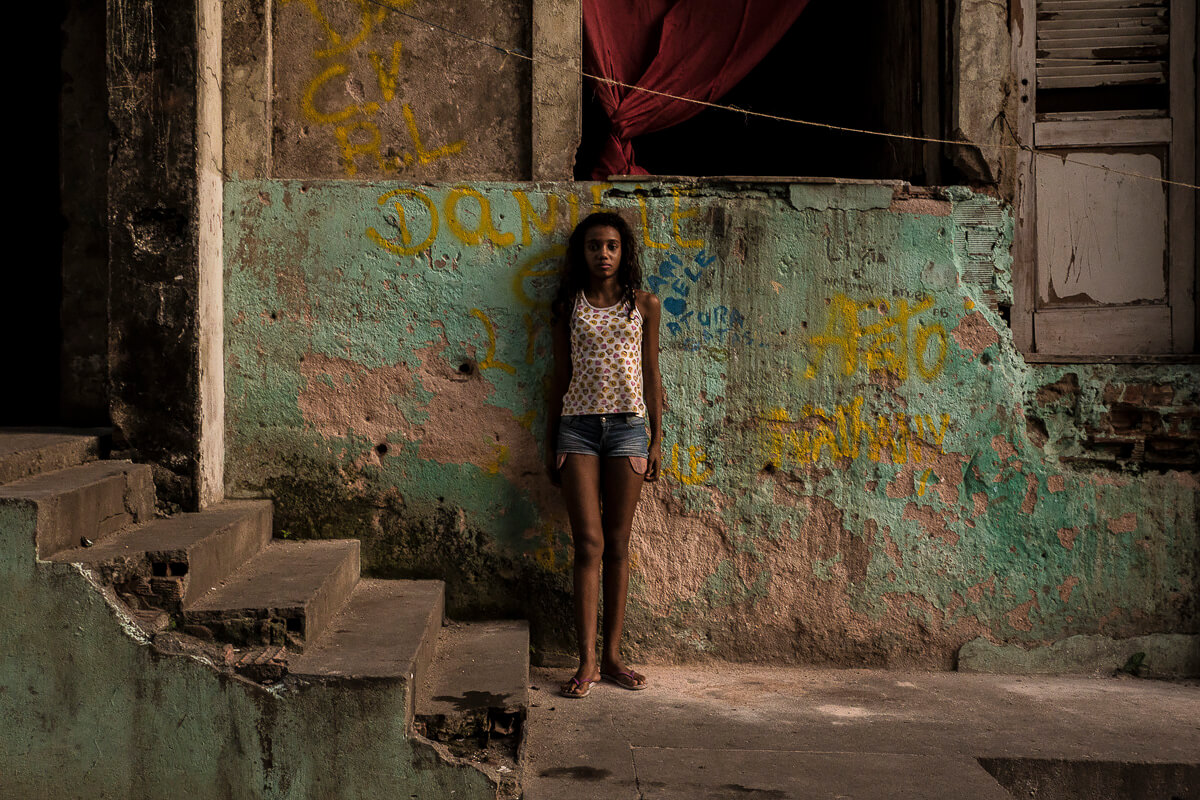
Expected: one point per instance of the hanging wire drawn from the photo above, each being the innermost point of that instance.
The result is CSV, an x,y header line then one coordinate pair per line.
x,y
1020,146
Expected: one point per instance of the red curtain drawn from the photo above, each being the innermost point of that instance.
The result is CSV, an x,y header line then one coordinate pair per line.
x,y
690,48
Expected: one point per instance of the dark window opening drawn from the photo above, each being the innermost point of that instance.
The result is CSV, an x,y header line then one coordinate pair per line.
x,y
859,65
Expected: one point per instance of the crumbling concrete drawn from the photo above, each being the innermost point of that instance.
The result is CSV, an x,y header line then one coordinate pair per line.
x,y
854,468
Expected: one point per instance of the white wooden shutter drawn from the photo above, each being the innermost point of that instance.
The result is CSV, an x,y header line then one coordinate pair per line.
x,y
1105,259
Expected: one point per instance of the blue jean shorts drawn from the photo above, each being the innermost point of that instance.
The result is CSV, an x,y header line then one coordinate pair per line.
x,y
608,435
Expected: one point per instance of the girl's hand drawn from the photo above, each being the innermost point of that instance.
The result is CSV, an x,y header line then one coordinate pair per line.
x,y
653,460
552,470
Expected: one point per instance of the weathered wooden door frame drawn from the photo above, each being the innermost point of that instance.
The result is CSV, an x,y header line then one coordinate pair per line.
x,y
1180,140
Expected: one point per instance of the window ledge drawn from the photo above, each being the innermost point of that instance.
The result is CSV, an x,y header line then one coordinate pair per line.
x,y
1166,358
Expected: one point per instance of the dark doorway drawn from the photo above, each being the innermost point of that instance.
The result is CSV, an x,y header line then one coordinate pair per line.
x,y
860,65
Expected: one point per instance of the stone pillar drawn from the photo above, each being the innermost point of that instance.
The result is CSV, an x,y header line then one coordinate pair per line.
x,y
557,88
164,221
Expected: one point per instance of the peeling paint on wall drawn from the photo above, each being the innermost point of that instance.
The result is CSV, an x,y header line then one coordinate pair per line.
x,y
859,467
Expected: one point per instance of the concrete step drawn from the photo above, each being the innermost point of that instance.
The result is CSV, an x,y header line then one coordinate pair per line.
x,y
178,559
32,451
87,502
287,593
477,688
388,629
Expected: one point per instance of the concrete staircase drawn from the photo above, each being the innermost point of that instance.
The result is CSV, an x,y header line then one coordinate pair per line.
x,y
215,584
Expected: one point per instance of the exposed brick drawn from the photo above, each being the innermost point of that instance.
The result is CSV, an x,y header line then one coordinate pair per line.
x,y
1065,388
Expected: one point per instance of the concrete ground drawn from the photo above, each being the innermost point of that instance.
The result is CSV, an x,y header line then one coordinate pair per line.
x,y
734,731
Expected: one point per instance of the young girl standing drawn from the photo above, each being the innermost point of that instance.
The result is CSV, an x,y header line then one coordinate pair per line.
x,y
604,428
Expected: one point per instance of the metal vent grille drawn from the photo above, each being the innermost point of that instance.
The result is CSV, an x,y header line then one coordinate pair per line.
x,y
1097,43
978,231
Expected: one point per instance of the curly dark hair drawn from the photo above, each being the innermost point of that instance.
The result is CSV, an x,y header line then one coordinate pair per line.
x,y
574,269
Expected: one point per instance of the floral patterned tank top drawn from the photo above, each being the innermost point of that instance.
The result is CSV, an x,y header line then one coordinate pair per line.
x,y
606,360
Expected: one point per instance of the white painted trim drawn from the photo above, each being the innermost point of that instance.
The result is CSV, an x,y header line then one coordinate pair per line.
x,y
1100,133
210,480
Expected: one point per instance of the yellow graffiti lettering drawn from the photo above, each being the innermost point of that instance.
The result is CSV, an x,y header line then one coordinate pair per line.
x,y
924,334
676,216
816,433
598,190
351,149
850,426
499,456
485,228
820,437
923,481
528,270
697,471
370,16
489,360
841,334
388,76
425,156
308,102
528,215
892,434
646,240
573,206
405,246
880,345
938,433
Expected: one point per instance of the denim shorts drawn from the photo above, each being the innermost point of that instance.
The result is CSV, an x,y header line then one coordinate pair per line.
x,y
609,435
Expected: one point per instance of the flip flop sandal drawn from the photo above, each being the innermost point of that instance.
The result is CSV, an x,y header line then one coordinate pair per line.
x,y
571,687
626,680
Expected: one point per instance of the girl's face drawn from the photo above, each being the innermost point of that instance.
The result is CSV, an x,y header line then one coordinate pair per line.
x,y
602,251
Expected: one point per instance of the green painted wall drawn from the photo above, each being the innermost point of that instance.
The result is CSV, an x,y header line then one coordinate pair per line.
x,y
91,711
850,475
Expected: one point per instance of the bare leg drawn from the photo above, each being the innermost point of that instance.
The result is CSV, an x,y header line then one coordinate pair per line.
x,y
622,486
581,489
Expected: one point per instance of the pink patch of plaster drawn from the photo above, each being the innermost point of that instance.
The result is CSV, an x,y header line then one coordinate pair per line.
x,y
974,333
975,593
1056,484
1066,537
1030,501
1066,587
925,206
1126,523
932,521
1019,616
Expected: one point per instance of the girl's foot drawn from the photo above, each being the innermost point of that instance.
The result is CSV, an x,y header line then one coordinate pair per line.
x,y
578,686
624,677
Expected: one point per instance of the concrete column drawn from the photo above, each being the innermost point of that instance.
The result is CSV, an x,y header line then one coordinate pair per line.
x,y
164,229
246,96
557,87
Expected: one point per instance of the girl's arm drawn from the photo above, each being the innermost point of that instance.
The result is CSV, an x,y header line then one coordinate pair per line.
x,y
560,380
652,390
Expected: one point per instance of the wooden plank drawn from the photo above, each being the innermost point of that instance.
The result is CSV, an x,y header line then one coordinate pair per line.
x,y
1062,67
1102,132
1073,32
1085,81
1107,27
1088,116
1076,5
1112,47
1102,235
1129,330
1140,358
1182,268
1024,269
1105,15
